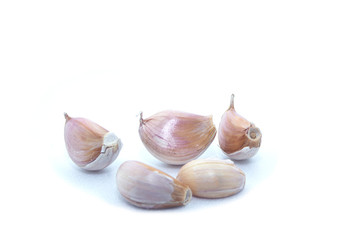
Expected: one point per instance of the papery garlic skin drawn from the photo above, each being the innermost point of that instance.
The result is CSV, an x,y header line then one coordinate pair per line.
x,y
212,178
238,138
148,187
89,145
176,137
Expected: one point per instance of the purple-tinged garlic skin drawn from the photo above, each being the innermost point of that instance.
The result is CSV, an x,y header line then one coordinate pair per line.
x,y
239,139
148,187
176,137
212,178
89,145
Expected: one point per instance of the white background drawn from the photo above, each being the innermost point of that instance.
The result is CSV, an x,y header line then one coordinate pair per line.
x,y
292,65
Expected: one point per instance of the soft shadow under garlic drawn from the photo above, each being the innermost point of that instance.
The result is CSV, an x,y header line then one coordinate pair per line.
x,y
99,184
258,168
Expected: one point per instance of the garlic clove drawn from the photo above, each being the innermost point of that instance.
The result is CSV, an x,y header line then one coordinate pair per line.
x,y
176,137
148,187
89,145
238,138
212,178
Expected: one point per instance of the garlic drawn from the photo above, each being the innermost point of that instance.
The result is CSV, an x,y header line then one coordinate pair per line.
x,y
238,138
89,145
176,137
212,178
148,187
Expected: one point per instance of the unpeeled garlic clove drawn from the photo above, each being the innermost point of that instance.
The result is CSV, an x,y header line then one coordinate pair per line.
x,y
89,145
212,178
148,187
176,137
238,138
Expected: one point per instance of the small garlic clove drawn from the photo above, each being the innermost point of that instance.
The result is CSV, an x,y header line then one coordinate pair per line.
x,y
212,178
176,137
89,145
148,187
238,138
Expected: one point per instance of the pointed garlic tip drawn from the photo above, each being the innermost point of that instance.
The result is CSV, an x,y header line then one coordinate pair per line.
x,y
212,178
89,145
148,187
141,118
232,102
176,137
66,116
238,138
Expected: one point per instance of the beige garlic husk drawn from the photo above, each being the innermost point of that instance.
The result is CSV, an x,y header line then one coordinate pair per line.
x,y
212,178
148,187
89,145
238,138
176,137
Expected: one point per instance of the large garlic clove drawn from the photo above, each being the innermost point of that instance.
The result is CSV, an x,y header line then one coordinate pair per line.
x,y
148,187
212,178
176,137
89,145
238,138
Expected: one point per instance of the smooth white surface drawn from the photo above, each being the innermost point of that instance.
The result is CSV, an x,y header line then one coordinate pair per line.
x,y
292,65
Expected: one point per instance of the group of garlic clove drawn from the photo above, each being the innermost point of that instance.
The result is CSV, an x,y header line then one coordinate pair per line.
x,y
148,187
175,138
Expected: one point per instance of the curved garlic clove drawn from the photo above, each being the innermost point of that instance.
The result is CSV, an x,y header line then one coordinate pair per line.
x,y
148,187
89,145
176,137
238,138
212,178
